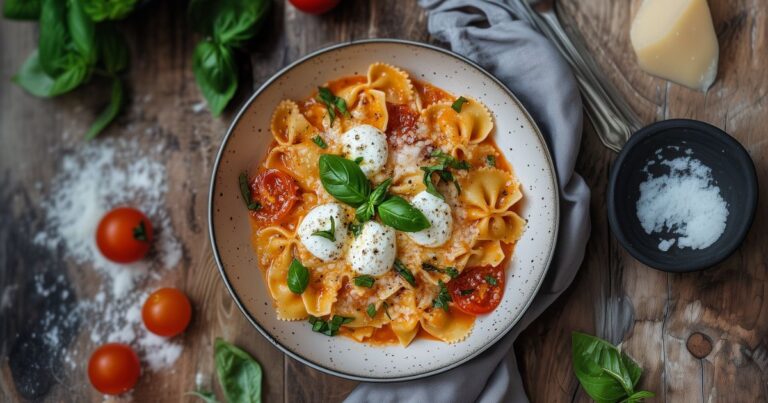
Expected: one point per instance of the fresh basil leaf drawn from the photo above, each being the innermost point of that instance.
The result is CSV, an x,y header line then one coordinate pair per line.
x,y
359,160
491,280
112,48
446,160
54,36
458,103
401,215
386,310
101,10
320,142
37,82
452,272
22,9
605,373
467,291
328,234
215,73
355,228
206,395
239,374
371,310
106,117
298,277
378,194
364,281
443,297
404,272
344,180
365,211
332,103
329,328
245,192
82,31
490,160
237,21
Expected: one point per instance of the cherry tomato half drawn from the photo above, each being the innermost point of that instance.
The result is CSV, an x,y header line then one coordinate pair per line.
x,y
315,6
478,290
124,235
166,312
276,192
114,368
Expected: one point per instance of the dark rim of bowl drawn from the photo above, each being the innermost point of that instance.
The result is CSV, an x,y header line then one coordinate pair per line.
x,y
708,130
319,366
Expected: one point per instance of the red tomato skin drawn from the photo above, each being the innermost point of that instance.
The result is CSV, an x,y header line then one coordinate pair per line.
x,y
166,312
485,297
115,239
315,6
277,192
114,368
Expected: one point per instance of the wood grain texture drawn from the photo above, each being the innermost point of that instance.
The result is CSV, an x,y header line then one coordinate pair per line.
x,y
613,296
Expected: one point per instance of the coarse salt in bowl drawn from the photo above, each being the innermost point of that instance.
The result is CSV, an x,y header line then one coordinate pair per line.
x,y
682,195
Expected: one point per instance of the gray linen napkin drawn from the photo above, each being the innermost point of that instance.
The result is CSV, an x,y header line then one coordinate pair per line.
x,y
490,33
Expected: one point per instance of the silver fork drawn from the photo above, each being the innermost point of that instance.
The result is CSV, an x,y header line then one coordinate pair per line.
x,y
611,116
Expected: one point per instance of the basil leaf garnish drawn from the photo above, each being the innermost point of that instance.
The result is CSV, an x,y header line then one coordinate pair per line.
x,y
239,374
491,280
450,271
401,215
319,142
100,10
371,310
366,210
116,101
404,272
330,327
490,160
298,277
443,297
364,281
344,180
328,234
605,373
21,9
458,103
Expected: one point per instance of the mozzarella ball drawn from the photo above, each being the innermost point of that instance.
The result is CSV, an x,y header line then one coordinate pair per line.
x,y
368,143
373,251
319,219
438,212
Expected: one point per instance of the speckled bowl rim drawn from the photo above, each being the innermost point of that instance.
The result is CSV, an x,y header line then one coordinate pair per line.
x,y
318,366
702,129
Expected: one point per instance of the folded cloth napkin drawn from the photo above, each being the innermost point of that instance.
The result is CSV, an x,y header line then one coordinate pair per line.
x,y
491,33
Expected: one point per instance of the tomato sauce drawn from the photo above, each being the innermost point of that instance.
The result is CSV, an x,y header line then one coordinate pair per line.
x,y
430,94
401,123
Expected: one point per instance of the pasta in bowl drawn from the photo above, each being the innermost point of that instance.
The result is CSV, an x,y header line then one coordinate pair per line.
x,y
384,211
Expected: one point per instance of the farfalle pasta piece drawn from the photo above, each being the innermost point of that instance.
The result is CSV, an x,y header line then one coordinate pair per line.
x,y
470,126
394,82
405,318
298,160
280,243
362,333
450,327
506,227
322,291
486,253
289,126
370,108
488,191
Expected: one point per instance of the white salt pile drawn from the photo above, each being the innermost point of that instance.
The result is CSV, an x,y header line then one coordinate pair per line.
x,y
89,183
683,202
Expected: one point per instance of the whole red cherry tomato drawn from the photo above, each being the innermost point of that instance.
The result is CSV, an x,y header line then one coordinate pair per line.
x,y
114,368
166,312
124,235
478,290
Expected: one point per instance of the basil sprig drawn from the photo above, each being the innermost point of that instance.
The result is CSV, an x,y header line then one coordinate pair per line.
x,y
401,215
239,374
344,180
606,373
71,49
366,210
445,162
227,26
458,103
371,310
100,10
298,277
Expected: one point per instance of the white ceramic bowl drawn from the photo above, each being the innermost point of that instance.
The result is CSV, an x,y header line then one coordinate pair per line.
x,y
246,143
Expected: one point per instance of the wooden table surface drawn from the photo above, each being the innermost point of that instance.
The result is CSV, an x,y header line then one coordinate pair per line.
x,y
613,295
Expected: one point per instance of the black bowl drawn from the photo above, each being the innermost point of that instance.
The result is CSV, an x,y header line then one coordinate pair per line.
x,y
732,170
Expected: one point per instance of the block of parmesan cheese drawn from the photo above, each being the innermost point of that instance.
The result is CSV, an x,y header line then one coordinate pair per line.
x,y
675,40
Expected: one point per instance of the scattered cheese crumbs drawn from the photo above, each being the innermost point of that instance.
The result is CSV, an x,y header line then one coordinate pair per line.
x,y
89,183
683,204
